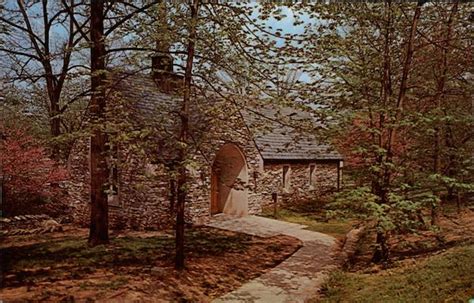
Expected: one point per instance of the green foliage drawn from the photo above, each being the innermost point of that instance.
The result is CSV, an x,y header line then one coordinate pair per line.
x,y
350,203
407,144
399,214
450,182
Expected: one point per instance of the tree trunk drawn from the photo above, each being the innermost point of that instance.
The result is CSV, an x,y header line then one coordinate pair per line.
x,y
55,127
439,104
182,178
172,196
381,253
183,150
3,198
382,184
458,202
403,86
378,185
99,233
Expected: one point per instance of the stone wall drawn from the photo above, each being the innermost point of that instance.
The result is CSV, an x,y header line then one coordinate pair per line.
x,y
144,188
144,185
199,205
304,181
79,182
27,225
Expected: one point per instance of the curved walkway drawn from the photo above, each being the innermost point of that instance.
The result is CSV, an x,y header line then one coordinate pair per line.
x,y
296,279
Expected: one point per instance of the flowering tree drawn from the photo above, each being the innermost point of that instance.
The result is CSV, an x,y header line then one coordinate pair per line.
x,y
27,175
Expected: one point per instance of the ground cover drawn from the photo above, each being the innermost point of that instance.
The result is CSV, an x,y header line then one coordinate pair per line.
x,y
313,214
430,265
135,266
443,277
337,228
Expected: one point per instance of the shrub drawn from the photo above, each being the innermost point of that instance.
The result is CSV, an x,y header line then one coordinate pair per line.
x,y
28,176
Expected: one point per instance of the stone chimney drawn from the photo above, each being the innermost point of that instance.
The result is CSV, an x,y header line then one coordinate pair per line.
x,y
163,74
161,65
162,61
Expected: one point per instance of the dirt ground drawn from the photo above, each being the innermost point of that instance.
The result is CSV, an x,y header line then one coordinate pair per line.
x,y
135,266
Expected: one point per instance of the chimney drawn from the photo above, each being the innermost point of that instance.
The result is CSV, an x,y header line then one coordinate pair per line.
x,y
161,65
162,72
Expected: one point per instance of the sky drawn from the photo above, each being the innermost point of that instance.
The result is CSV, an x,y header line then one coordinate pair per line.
x,y
286,25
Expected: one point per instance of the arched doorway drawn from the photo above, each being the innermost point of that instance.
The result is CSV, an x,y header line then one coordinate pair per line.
x,y
229,182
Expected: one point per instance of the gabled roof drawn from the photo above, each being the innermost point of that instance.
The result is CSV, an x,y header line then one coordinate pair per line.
x,y
274,138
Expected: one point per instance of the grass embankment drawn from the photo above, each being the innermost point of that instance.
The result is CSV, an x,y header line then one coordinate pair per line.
x,y
446,277
335,228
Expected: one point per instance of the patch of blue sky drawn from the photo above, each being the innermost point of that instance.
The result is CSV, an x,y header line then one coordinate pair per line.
x,y
290,23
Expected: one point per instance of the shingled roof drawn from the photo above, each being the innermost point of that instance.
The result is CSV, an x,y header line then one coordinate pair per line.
x,y
275,140
281,139
283,146
143,95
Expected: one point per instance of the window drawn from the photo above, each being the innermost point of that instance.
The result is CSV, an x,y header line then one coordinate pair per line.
x,y
113,191
286,176
255,177
311,175
339,174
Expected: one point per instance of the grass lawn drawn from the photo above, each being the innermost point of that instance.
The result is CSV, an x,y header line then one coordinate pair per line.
x,y
133,267
446,277
335,228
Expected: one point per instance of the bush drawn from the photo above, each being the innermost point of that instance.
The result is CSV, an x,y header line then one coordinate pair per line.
x,y
29,178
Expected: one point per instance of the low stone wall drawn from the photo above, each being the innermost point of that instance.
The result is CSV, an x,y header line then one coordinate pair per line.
x,y
350,243
28,224
24,221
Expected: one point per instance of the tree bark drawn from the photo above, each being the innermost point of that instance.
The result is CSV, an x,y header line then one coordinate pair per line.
x,y
381,253
99,233
182,171
403,84
55,127
378,185
40,51
438,101
172,196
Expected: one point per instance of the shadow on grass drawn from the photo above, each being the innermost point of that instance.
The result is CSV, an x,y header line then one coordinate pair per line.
x,y
72,258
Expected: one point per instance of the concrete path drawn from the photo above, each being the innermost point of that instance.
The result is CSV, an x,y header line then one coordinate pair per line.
x,y
296,279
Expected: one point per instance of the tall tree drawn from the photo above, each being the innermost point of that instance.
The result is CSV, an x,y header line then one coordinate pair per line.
x,y
120,14
440,87
40,45
184,135
377,69
99,233
213,45
382,251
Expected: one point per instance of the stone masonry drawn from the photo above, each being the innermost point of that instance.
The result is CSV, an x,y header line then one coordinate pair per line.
x,y
144,195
